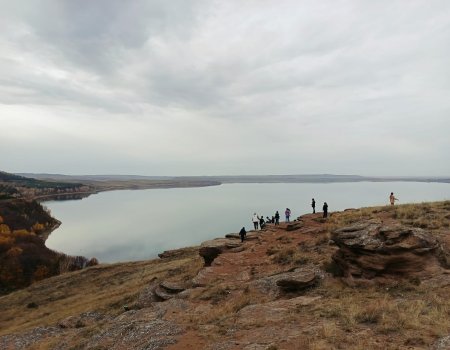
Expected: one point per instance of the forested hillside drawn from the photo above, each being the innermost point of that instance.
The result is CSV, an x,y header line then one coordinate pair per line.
x,y
24,227
15,186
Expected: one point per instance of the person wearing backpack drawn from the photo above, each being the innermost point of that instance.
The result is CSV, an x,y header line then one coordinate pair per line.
x,y
277,218
243,234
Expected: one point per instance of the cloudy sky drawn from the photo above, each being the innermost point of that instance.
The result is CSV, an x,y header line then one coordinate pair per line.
x,y
225,87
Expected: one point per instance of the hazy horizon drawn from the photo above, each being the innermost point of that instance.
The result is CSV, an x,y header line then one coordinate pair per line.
x,y
187,88
238,175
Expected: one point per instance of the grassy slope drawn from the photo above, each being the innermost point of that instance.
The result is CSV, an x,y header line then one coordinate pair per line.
x,y
104,288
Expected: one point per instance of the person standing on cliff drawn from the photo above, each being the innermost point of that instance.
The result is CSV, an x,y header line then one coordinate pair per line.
x,y
313,204
242,233
287,213
277,218
262,223
325,210
255,220
392,198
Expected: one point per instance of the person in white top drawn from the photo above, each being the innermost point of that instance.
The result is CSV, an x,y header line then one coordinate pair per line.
x,y
255,220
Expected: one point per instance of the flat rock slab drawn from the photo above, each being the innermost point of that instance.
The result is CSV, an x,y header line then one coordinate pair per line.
x,y
291,281
294,226
162,294
172,287
297,280
177,253
275,311
130,334
442,343
209,250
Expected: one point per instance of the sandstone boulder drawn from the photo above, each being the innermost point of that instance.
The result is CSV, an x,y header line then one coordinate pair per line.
x,y
294,225
172,287
371,249
210,250
296,280
162,294
177,253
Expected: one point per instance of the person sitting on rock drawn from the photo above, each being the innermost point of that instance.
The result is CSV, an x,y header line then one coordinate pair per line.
x,y
242,233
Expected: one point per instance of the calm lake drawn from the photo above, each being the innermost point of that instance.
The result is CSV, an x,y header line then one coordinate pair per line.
x,y
139,224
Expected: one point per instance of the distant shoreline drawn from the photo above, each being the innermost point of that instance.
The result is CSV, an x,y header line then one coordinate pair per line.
x,y
199,181
114,184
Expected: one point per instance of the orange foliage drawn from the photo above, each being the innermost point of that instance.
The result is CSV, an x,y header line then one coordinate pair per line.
x,y
14,252
4,228
21,233
5,239
41,273
9,275
37,227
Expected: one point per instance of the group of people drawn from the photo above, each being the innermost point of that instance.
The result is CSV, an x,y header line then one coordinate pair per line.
x,y
324,208
259,222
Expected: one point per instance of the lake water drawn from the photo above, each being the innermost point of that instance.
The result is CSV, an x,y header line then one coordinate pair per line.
x,y
139,224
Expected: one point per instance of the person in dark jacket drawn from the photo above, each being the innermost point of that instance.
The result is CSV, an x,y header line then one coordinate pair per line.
x,y
313,204
262,223
325,209
243,234
277,218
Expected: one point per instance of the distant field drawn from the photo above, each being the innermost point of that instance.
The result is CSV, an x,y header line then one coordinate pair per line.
x,y
188,181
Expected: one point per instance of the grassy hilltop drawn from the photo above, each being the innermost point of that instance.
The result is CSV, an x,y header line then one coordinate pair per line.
x,y
283,288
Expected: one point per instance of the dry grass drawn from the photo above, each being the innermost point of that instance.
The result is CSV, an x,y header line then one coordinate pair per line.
x,y
223,314
421,313
104,288
432,216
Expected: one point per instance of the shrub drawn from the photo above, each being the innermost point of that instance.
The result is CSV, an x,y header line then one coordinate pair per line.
x,y
14,252
4,228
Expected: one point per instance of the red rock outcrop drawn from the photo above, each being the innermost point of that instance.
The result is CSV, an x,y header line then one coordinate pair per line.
x,y
371,249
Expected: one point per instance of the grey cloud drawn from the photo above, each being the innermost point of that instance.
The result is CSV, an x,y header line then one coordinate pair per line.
x,y
360,67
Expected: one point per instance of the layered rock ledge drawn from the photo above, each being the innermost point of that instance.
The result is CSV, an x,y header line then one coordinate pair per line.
x,y
371,249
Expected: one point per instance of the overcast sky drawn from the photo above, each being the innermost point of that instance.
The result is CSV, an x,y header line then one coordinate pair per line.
x,y
225,87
